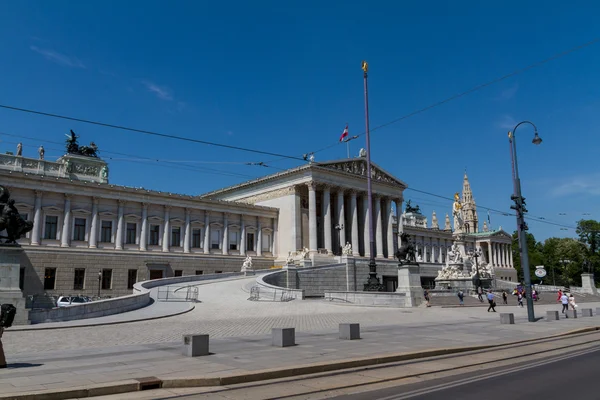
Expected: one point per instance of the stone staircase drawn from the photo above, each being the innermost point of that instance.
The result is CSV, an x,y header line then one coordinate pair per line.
x,y
546,298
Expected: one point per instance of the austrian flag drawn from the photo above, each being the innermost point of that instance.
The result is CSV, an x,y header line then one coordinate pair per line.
x,y
344,134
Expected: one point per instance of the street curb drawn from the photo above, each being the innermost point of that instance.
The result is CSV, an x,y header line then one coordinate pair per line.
x,y
149,383
100,324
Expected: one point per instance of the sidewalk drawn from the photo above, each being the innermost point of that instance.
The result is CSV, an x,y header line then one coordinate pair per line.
x,y
30,372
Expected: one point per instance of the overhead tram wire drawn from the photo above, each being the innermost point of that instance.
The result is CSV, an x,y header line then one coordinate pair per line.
x,y
147,132
145,160
473,89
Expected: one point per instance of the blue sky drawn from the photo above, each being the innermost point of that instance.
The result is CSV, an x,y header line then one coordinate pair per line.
x,y
285,77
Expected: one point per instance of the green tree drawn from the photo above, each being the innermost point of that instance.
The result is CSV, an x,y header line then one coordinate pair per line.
x,y
535,254
563,259
588,231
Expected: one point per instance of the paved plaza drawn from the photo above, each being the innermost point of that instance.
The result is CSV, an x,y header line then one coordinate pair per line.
x,y
240,338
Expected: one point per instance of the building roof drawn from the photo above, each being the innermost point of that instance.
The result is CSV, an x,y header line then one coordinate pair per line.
x,y
351,166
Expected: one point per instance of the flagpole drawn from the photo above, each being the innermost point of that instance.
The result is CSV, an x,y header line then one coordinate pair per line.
x,y
348,148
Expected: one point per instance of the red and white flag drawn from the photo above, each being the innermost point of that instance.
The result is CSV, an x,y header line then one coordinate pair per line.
x,y
344,134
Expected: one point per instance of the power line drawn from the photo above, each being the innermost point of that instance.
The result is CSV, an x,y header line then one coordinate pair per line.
x,y
473,89
146,132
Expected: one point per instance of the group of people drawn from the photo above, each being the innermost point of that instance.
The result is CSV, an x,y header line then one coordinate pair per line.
x,y
567,300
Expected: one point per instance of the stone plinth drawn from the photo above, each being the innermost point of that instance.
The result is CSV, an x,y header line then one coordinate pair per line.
x,y
283,337
507,318
409,283
571,313
10,293
349,331
368,298
83,168
552,315
586,312
305,263
291,276
350,261
195,345
588,285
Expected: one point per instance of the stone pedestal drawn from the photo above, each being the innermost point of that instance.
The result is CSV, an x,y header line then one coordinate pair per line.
x,y
305,263
283,337
409,282
349,331
586,312
551,315
291,276
507,318
571,313
588,285
350,261
195,345
10,266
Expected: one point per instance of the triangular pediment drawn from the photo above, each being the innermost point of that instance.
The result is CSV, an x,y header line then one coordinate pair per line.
x,y
358,166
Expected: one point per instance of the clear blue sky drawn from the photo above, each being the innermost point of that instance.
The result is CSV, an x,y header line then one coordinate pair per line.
x,y
285,77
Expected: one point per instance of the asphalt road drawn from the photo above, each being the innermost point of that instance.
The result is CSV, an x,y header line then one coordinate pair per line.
x,y
564,377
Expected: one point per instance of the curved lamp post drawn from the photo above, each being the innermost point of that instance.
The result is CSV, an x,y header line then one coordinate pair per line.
x,y
519,207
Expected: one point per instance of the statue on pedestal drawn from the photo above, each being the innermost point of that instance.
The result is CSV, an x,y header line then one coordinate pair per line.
x,y
347,249
10,219
454,256
457,213
411,209
290,259
247,265
20,149
41,152
304,253
104,172
406,251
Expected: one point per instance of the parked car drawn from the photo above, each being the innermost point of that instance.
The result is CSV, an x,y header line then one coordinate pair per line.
x,y
64,301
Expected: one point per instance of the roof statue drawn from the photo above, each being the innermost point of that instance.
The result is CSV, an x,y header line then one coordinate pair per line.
x,y
74,148
10,219
411,209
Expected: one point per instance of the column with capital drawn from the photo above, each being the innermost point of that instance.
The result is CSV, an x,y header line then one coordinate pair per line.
x,y
37,219
120,222
225,240
378,227
312,217
167,230
327,219
259,237
390,228
365,213
144,232
274,251
206,232
94,227
491,251
66,230
341,214
242,236
354,222
187,232
399,220
510,256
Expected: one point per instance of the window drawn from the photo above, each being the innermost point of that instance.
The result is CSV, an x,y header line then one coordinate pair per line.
x,y
51,227
199,272
154,234
215,241
178,272
106,232
428,256
79,231
250,241
266,242
131,233
196,238
131,278
78,279
176,236
49,278
233,240
106,279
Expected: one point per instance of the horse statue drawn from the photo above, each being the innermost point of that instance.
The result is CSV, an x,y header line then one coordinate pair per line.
x,y
10,219
406,252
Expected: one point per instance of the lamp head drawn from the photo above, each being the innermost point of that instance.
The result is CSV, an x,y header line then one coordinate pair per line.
x,y
536,139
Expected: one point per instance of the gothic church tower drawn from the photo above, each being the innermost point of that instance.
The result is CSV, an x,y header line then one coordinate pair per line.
x,y
469,208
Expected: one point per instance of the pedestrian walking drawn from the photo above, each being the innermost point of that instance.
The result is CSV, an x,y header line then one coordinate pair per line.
x,y
560,293
519,299
572,302
564,299
426,295
461,298
504,297
490,297
480,294
2,358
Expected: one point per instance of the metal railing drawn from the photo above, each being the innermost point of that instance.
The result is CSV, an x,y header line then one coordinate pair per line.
x,y
177,293
259,293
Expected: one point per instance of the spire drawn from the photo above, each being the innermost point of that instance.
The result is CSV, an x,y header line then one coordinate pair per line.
x,y
469,207
434,221
447,226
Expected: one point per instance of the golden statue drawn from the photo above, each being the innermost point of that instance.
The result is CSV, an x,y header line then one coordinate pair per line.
x,y
365,66
457,213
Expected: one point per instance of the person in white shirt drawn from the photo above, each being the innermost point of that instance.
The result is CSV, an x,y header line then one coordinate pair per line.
x,y
564,299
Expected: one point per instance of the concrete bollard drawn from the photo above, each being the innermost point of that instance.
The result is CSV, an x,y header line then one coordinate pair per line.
x,y
195,345
571,313
507,318
552,316
349,331
598,311
586,312
283,337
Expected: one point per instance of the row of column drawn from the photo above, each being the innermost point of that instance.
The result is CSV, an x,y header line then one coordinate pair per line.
x,y
437,256
379,216
501,254
119,238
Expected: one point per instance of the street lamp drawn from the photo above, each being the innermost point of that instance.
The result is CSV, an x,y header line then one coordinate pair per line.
x,y
99,282
339,228
373,284
519,207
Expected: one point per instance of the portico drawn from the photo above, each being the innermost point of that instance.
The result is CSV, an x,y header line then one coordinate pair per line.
x,y
323,206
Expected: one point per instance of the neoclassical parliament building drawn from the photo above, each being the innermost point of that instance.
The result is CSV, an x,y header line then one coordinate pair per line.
x,y
90,235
